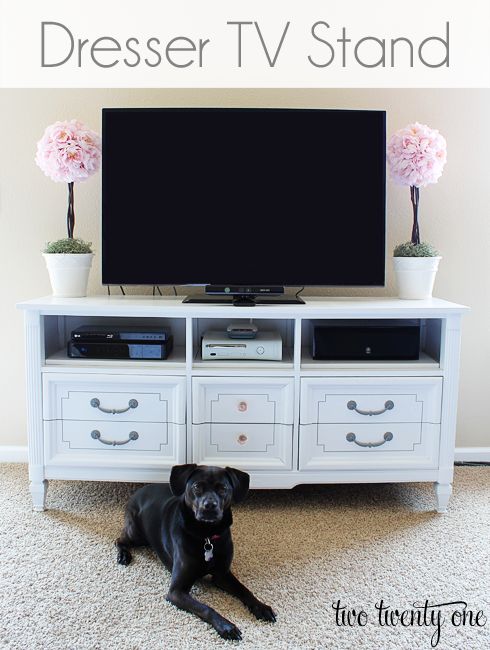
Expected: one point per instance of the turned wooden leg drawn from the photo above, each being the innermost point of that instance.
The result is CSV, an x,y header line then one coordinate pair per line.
x,y
38,491
443,492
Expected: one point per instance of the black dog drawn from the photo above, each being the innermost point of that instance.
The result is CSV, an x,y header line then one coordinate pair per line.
x,y
188,527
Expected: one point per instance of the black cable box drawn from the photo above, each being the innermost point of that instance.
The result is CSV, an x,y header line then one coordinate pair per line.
x,y
158,350
355,340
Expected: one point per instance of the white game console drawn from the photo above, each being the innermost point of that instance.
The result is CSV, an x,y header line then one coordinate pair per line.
x,y
266,346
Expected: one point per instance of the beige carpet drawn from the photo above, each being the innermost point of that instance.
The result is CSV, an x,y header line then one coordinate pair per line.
x,y
298,550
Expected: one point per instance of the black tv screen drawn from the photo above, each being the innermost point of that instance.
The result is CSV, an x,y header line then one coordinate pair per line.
x,y
200,196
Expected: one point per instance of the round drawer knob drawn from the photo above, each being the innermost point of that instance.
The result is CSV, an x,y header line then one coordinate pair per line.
x,y
242,406
242,439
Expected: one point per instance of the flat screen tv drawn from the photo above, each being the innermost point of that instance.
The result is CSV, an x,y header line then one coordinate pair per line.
x,y
243,198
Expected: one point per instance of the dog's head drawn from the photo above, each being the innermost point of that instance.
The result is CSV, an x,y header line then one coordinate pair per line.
x,y
209,491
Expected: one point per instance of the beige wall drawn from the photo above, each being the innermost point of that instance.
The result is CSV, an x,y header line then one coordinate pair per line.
x,y
455,213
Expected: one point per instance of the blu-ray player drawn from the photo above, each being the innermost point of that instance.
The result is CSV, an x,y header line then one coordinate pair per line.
x,y
105,333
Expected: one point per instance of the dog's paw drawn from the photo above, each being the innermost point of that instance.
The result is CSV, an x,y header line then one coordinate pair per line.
x,y
263,612
124,557
227,630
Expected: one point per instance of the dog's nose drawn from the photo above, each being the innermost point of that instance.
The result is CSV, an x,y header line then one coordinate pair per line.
x,y
210,504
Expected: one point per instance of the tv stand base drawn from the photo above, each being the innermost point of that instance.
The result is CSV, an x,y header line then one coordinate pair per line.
x,y
243,301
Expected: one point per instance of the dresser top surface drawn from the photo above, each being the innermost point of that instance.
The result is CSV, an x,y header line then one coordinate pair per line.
x,y
172,306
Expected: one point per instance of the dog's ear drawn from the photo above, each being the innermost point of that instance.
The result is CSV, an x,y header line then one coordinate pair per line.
x,y
240,482
179,476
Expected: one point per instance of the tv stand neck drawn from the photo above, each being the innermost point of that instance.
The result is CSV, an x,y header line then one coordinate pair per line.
x,y
244,301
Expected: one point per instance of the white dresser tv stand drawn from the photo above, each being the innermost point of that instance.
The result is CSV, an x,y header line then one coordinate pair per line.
x,y
285,422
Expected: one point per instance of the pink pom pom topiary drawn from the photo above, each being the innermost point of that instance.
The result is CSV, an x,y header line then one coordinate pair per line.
x,y
69,152
416,157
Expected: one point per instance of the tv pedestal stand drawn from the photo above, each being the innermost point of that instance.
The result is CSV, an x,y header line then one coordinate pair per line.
x,y
288,422
243,300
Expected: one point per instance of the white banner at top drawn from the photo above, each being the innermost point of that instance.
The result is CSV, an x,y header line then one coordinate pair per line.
x,y
244,43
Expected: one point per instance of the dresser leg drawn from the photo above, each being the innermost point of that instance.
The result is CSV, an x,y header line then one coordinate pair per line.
x,y
38,492
443,492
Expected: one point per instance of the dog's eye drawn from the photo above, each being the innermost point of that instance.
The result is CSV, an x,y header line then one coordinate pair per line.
x,y
197,488
220,488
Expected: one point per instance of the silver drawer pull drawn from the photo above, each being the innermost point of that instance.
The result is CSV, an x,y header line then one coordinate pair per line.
x,y
352,406
132,404
242,406
351,437
242,439
134,435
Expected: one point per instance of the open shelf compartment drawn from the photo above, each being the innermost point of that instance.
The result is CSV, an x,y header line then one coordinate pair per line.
x,y
429,352
57,332
284,326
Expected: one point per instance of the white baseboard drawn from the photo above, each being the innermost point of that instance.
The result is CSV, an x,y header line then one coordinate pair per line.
x,y
18,454
13,454
472,454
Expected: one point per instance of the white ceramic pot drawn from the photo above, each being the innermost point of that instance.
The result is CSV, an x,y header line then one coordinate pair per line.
x,y
68,273
415,276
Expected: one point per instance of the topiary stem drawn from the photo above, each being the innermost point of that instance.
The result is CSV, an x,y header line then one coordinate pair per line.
x,y
70,217
415,198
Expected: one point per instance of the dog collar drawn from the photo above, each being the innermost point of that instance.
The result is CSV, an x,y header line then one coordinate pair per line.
x,y
208,547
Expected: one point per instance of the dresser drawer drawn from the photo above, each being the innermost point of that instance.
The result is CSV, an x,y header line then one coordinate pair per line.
x,y
248,446
369,446
113,398
378,399
242,400
113,441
